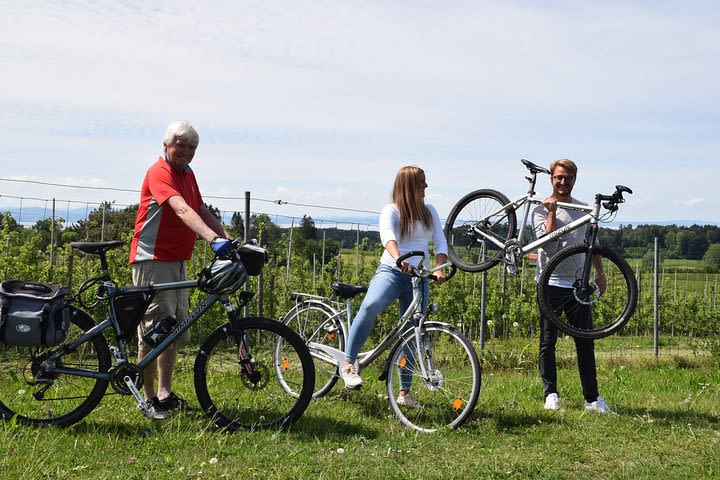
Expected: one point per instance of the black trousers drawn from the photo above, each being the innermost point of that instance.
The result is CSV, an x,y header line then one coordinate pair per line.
x,y
563,301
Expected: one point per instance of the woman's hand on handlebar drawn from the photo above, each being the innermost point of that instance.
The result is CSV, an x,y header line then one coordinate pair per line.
x,y
438,277
405,267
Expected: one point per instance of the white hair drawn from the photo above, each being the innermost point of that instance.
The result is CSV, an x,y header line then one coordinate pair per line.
x,y
183,130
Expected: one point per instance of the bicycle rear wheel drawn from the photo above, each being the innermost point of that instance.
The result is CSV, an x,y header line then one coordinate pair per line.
x,y
597,315
236,381
447,395
316,322
474,222
61,399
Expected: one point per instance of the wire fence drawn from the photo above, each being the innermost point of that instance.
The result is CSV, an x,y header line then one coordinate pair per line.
x,y
487,307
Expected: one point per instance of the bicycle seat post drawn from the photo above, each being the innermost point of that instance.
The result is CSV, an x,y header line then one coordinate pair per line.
x,y
103,263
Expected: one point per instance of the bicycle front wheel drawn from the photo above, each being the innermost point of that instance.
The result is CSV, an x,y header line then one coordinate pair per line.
x,y
317,323
236,381
584,311
53,398
477,228
443,380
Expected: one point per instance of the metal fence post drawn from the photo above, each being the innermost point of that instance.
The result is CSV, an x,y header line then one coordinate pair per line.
x,y
247,240
655,300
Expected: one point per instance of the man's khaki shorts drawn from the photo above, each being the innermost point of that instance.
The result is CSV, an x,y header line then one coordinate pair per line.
x,y
168,302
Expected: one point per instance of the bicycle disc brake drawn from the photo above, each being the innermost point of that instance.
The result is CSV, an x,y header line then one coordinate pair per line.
x,y
254,375
586,296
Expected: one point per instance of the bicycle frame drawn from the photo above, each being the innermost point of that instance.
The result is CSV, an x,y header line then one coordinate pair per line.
x,y
111,321
525,202
413,314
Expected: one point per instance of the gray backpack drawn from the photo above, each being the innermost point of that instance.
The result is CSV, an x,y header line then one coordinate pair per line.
x,y
33,314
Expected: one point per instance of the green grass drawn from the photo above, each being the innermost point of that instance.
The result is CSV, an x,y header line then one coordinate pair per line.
x,y
668,425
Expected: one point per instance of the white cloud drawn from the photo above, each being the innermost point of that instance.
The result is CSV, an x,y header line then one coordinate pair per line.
x,y
329,98
691,202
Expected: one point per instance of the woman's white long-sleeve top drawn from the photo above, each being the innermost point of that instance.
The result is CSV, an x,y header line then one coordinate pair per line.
x,y
418,239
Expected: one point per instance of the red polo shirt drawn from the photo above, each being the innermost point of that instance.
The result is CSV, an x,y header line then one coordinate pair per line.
x,y
159,232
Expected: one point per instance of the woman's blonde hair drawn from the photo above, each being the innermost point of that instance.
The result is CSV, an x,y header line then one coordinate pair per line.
x,y
407,196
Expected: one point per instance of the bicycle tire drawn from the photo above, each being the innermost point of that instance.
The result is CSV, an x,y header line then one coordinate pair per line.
x,y
316,322
608,312
468,250
69,398
449,395
231,398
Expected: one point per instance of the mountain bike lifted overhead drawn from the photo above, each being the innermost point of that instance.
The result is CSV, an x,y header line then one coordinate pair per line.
x,y
482,230
236,368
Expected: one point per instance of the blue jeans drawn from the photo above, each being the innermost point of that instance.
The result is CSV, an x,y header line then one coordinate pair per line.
x,y
386,285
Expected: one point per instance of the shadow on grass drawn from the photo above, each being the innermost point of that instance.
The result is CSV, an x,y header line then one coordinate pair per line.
x,y
665,417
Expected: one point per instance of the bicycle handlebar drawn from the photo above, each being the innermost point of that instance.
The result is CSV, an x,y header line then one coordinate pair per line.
x,y
612,201
420,270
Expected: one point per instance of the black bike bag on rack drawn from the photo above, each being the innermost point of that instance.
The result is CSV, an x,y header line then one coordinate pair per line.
x,y
33,314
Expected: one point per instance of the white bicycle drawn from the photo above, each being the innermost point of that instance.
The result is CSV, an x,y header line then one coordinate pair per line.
x,y
441,363
482,231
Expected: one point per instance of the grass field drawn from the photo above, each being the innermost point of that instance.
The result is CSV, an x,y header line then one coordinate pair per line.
x,y
667,425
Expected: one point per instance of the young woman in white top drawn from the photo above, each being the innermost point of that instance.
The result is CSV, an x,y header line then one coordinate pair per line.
x,y
406,224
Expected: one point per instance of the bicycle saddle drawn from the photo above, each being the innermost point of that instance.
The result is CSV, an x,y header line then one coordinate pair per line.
x,y
343,290
96,247
534,168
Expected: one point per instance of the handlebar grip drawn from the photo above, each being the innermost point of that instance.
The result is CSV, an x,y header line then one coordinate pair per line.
x,y
414,253
623,188
453,271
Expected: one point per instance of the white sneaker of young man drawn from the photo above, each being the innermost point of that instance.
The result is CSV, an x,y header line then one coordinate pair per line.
x,y
349,374
598,406
552,402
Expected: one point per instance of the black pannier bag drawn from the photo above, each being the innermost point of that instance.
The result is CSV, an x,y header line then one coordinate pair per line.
x,y
129,310
253,257
33,314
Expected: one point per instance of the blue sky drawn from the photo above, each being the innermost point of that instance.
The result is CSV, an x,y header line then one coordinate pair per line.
x,y
320,102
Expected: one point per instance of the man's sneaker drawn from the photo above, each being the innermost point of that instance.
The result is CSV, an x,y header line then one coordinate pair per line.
x,y
552,402
173,402
598,406
408,400
153,409
349,374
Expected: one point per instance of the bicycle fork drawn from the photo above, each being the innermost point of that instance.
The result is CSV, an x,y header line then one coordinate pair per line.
x,y
584,286
245,359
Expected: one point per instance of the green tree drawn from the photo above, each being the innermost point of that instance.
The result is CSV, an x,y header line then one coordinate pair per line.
x,y
712,256
307,228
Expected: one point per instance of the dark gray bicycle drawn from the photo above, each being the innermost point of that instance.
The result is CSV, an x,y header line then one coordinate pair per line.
x,y
235,372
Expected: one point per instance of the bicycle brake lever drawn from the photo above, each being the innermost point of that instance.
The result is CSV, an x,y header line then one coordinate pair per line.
x,y
612,206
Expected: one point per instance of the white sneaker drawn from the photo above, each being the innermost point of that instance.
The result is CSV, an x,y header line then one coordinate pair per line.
x,y
552,402
349,374
598,406
408,400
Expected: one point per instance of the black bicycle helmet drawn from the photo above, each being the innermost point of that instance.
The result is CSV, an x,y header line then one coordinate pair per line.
x,y
222,276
